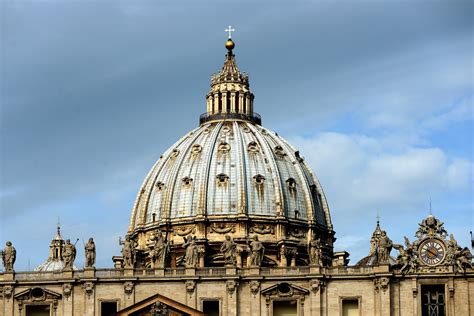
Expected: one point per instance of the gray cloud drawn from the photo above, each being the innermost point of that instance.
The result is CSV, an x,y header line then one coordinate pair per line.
x,y
93,92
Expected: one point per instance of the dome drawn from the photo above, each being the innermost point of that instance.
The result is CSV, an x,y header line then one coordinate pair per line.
x,y
230,168
230,178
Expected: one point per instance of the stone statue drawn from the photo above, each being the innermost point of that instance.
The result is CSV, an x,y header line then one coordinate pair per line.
x,y
459,257
257,251
384,248
229,250
158,250
314,251
191,255
407,258
128,251
89,251
8,256
69,255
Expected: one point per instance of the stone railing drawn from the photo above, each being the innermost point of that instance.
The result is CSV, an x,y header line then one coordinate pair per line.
x,y
182,272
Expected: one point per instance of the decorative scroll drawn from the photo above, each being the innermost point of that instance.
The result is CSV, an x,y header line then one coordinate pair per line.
x,y
222,228
185,230
262,229
297,232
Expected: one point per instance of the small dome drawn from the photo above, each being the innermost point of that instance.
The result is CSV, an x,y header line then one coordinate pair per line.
x,y
230,168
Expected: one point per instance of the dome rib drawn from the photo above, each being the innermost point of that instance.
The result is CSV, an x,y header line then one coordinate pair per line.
x,y
249,150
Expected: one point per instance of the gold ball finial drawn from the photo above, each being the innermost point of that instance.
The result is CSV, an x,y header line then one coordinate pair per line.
x,y
229,44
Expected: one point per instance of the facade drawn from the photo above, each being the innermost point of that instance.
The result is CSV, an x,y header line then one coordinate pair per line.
x,y
232,221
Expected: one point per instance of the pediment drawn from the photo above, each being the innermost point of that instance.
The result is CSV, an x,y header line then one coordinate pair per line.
x,y
37,294
158,305
285,290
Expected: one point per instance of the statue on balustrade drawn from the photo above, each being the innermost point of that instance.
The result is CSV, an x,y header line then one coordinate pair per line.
x,y
8,256
69,255
459,257
158,250
128,251
314,251
229,250
256,252
191,255
89,251
384,247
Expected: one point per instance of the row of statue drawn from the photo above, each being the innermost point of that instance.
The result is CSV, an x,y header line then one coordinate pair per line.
x,y
69,252
380,247
158,249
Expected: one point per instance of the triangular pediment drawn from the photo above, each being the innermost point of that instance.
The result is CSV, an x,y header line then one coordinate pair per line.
x,y
37,294
284,289
159,305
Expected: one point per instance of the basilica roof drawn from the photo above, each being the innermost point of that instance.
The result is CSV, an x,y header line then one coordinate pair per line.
x,y
230,166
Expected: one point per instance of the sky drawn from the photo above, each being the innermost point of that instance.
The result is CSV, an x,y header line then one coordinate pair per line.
x,y
376,95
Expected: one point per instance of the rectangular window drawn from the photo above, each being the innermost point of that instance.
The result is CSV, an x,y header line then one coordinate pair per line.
x,y
433,300
350,307
211,308
285,308
108,308
37,310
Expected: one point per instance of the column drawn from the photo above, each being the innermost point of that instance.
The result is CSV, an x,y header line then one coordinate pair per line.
x,y
224,102
240,107
216,103
232,102
232,287
247,100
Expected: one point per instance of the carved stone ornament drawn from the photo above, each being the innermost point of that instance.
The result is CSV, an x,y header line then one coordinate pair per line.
x,y
231,285
190,286
88,288
254,288
128,287
67,289
185,230
223,148
315,285
222,228
262,229
159,309
381,284
430,227
297,232
8,291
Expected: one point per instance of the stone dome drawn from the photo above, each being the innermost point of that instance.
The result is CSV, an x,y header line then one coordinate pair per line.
x,y
230,168
231,176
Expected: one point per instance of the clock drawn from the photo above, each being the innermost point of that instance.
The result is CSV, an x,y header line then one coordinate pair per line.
x,y
432,252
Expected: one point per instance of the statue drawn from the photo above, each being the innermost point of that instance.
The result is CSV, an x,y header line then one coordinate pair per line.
x,y
69,255
191,256
8,256
128,251
459,257
229,249
314,251
407,258
384,248
158,250
257,251
89,251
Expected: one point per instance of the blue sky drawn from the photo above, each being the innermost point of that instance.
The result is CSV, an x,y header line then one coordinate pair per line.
x,y
377,96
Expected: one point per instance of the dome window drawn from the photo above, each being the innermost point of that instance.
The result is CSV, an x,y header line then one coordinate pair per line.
x,y
253,147
187,182
222,179
291,183
174,153
223,147
196,149
259,180
279,152
160,186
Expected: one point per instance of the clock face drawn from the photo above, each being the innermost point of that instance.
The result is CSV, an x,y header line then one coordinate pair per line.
x,y
432,252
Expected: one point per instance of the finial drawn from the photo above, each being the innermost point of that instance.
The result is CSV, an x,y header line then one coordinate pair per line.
x,y
59,227
230,43
378,217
